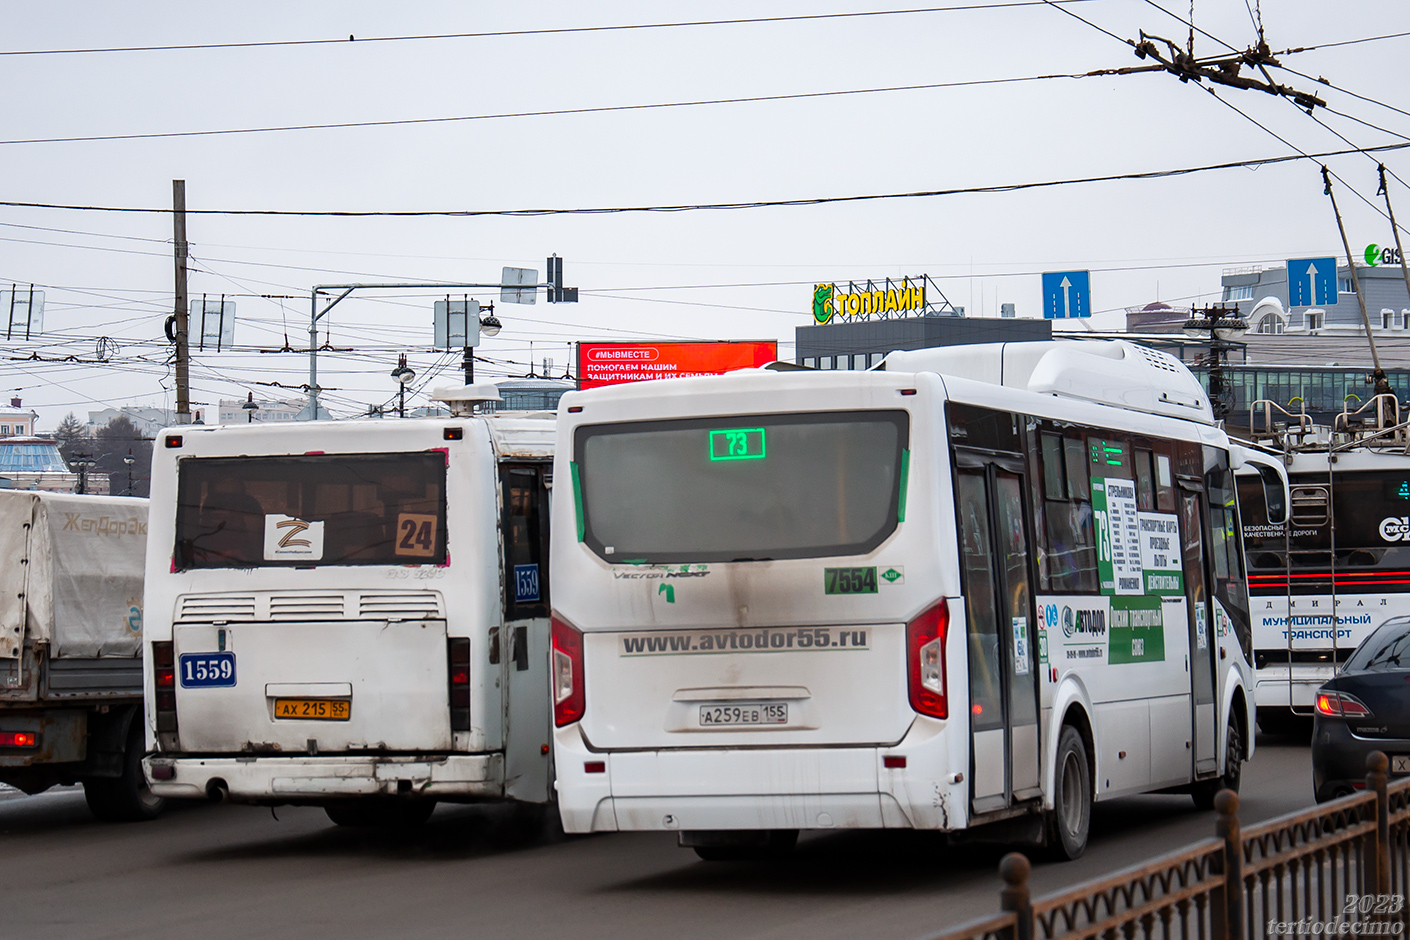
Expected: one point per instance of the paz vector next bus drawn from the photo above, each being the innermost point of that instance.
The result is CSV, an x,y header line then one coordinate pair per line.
x,y
978,584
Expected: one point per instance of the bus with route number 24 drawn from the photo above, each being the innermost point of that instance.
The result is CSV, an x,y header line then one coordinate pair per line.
x,y
982,584
352,614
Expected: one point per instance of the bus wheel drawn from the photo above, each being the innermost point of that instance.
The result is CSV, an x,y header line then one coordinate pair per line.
x,y
1071,818
375,811
126,798
1204,791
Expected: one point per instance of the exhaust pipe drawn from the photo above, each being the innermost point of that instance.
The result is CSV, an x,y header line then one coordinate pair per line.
x,y
217,791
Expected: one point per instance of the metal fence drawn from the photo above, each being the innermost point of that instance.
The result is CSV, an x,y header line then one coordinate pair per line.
x,y
1337,870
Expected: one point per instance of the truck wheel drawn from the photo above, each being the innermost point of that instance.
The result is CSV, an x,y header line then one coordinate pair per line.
x,y
381,812
126,798
1071,818
1204,791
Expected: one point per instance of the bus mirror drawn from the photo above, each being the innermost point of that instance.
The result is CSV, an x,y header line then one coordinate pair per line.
x,y
1275,494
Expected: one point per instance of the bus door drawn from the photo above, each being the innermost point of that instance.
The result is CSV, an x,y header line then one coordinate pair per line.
x,y
521,645
1003,681
1204,712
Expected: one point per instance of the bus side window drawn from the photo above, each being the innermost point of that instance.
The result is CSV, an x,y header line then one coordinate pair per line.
x,y
1229,584
1145,480
1164,485
1068,561
525,542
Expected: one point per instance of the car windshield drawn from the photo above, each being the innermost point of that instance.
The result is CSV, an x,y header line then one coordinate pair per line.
x,y
741,487
323,509
1386,650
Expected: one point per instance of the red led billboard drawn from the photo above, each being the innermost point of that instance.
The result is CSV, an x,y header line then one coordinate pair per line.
x,y
614,363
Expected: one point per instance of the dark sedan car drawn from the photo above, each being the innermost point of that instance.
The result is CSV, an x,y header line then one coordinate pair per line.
x,y
1364,708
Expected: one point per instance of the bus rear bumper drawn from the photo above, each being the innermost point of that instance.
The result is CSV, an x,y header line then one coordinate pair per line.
x,y
787,788
296,779
1275,688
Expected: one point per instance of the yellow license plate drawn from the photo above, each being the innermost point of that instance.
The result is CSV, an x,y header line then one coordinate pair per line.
x,y
313,709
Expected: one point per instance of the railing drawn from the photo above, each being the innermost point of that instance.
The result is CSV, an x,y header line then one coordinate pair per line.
x,y
1337,870
1382,412
1273,428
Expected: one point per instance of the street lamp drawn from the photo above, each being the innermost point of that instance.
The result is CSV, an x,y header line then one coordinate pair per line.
x,y
1222,326
82,463
403,376
489,326
250,408
129,460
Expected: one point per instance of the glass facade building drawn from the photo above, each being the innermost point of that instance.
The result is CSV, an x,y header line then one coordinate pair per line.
x,y
1325,390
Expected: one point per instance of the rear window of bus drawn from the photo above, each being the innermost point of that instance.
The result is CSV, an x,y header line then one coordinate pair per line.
x,y
325,509
741,487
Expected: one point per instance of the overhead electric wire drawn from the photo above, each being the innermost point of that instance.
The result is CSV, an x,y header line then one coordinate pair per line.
x,y
1057,6
553,112
1344,42
1301,153
695,207
543,31
1346,91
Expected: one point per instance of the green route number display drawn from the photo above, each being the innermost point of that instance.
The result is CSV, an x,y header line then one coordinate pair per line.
x,y
737,444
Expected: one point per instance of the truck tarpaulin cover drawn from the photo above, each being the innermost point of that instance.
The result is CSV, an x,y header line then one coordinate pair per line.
x,y
80,584
614,363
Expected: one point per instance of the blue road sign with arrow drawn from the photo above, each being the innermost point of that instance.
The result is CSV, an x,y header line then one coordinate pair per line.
x,y
1312,282
1066,294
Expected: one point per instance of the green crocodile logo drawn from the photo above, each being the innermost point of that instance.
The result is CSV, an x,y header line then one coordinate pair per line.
x,y
822,303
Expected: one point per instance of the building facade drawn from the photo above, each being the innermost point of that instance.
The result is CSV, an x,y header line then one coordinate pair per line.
x,y
861,344
34,463
1261,295
15,421
233,411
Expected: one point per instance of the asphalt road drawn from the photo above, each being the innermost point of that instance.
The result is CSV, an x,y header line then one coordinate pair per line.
x,y
204,871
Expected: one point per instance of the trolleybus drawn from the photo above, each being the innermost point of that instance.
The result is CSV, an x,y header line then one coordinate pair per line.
x,y
351,614
1340,567
979,584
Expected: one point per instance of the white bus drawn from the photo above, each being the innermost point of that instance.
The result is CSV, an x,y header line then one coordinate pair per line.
x,y
979,583
351,614
1339,569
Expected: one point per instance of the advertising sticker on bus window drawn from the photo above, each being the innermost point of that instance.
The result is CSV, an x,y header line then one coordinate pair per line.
x,y
1020,646
1119,536
1160,554
416,535
288,538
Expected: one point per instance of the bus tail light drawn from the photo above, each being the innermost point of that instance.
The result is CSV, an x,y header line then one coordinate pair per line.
x,y
925,661
458,681
18,739
1341,705
164,680
568,694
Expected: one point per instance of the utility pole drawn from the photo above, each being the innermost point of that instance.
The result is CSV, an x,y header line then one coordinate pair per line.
x,y
1222,325
181,314
1379,375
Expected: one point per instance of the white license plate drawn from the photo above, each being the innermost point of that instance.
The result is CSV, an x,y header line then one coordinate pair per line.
x,y
1400,764
744,713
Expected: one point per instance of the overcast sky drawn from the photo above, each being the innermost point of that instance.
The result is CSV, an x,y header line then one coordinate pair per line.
x,y
664,275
